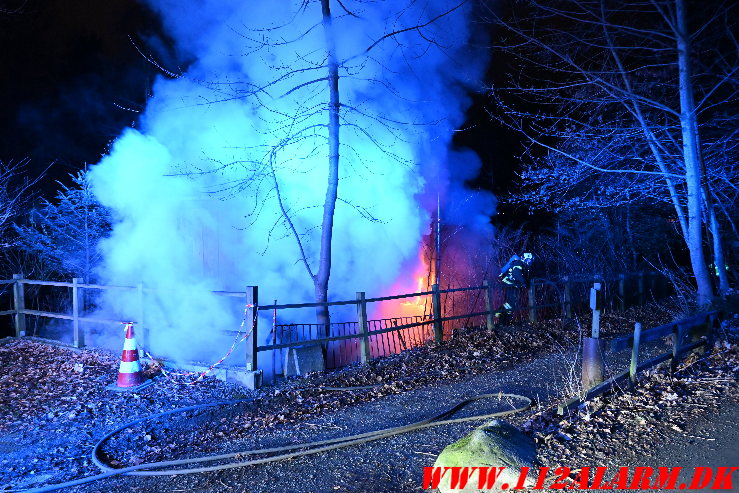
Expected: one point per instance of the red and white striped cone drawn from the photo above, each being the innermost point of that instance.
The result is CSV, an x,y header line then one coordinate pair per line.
x,y
130,376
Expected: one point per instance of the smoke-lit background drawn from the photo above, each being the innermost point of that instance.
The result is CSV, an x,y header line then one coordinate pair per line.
x,y
188,115
191,190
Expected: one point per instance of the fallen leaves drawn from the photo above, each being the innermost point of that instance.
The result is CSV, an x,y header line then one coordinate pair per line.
x,y
661,404
51,392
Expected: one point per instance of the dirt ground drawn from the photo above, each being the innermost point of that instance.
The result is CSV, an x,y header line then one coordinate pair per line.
x,y
55,408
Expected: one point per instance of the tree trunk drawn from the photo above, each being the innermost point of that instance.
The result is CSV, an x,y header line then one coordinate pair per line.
x,y
630,236
320,281
689,128
719,261
652,143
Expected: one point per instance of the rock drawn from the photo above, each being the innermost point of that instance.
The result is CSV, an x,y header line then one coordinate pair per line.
x,y
301,360
495,444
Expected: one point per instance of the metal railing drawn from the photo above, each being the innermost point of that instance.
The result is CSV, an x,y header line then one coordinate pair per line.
x,y
363,339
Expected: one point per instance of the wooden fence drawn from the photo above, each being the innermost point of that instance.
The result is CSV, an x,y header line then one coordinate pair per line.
x,y
542,299
20,311
685,335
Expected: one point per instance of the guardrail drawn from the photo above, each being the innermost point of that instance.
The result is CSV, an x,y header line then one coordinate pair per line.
x,y
699,329
20,311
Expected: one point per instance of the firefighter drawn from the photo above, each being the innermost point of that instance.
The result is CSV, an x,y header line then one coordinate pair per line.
x,y
514,274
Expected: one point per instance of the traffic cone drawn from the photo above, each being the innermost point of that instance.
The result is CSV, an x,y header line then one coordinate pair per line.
x,y
130,376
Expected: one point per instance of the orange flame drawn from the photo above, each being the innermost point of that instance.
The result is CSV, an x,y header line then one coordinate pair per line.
x,y
403,310
417,300
406,307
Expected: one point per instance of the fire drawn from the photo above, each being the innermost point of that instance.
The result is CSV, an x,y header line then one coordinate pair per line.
x,y
407,307
415,277
417,300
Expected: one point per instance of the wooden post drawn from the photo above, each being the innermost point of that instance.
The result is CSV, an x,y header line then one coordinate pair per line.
x,y
635,353
436,306
712,322
252,302
142,330
364,349
488,286
641,288
20,305
622,291
532,302
274,341
567,305
678,334
79,336
593,366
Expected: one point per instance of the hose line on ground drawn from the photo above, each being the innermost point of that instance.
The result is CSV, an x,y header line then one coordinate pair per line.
x,y
282,453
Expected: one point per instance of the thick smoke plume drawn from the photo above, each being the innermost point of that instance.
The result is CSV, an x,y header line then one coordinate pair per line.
x,y
196,189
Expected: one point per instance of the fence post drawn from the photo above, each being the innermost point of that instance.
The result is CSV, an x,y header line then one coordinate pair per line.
x,y
532,302
488,286
79,336
596,304
274,341
436,306
713,323
622,291
252,302
678,333
364,349
593,366
567,305
641,288
19,301
143,330
635,353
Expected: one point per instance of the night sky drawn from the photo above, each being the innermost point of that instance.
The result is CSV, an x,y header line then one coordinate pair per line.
x,y
73,79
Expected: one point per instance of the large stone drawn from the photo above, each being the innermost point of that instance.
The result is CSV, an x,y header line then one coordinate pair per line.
x,y
495,444
301,360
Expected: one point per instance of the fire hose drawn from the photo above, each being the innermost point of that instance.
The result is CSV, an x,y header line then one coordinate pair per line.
x,y
163,468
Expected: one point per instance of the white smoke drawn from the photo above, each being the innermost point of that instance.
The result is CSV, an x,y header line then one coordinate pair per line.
x,y
192,190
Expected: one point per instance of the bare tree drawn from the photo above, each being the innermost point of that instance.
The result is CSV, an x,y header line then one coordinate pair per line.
x,y
14,190
320,279
607,98
64,232
309,121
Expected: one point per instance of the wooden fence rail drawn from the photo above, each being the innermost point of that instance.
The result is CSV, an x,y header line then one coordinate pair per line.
x,y
566,300
20,311
699,329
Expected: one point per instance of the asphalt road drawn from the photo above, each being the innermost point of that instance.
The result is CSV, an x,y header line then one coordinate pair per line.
x,y
710,442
